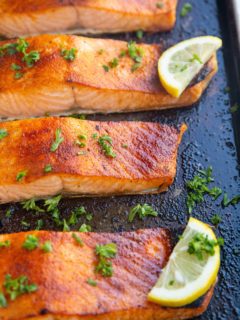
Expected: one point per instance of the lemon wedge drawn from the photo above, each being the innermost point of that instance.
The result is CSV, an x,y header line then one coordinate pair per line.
x,y
188,275
179,64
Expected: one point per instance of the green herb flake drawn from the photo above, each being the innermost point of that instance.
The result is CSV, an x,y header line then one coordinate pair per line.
x,y
186,9
104,253
94,135
216,219
30,205
52,203
201,245
85,228
141,211
78,116
226,201
77,239
113,63
8,213
136,54
18,75
106,143
58,140
69,55
48,168
139,34
159,4
5,244
25,224
92,282
66,227
15,67
125,146
234,108
47,247
31,242
21,175
18,286
101,51
3,300
3,133
107,250
39,225
171,282
106,68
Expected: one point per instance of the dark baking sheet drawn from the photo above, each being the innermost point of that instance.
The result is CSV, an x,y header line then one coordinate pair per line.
x,y
212,139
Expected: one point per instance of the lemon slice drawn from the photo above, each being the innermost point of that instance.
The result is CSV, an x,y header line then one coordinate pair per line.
x,y
179,64
186,277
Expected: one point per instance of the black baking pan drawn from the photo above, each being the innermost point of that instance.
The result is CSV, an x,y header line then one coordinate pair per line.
x,y
213,139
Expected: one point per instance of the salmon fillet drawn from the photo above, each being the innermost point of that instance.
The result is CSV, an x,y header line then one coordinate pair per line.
x,y
56,86
61,277
144,162
30,17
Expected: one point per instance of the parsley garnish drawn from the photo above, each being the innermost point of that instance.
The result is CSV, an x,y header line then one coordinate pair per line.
x,y
3,300
31,58
187,7
77,239
92,282
106,143
76,213
18,75
8,213
18,286
31,242
136,54
21,175
113,63
3,133
52,203
69,55
198,187
106,68
30,205
216,219
39,224
47,247
58,140
65,226
47,168
159,5
226,202
5,244
142,211
139,34
106,252
234,108
200,245
85,228
78,116
94,135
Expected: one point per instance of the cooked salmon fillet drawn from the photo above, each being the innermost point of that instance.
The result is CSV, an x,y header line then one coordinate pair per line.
x,y
61,277
143,158
56,85
30,17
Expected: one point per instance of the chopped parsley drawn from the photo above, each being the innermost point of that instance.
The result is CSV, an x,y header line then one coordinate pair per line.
x,y
136,54
25,224
31,242
198,187
47,247
18,75
139,34
5,244
92,282
31,58
200,245
76,213
52,203
8,213
234,108
77,239
94,135
171,282
66,227
125,146
226,202
3,300
3,133
159,4
216,219
58,140
78,116
85,228
104,253
187,7
48,168
106,68
69,55
21,175
39,224
18,286
142,211
113,63
30,205
106,143
15,67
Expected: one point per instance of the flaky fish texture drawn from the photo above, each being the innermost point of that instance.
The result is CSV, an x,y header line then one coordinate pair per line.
x,y
61,276
143,157
55,85
31,17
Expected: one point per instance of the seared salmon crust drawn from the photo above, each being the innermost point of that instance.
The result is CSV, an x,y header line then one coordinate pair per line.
x,y
87,84
30,17
61,277
144,162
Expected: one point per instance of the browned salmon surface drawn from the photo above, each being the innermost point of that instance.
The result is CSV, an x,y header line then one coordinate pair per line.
x,y
144,162
61,277
55,85
30,17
